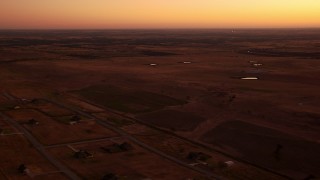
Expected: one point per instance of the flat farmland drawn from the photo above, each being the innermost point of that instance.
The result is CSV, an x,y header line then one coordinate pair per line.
x,y
124,100
250,96
265,141
58,132
2,99
6,129
182,149
84,105
171,119
50,109
16,150
133,164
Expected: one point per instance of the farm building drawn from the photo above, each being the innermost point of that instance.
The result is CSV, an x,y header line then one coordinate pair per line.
x,y
115,148
82,154
198,156
33,122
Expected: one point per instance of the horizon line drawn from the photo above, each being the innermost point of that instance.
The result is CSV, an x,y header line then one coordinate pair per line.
x,y
105,29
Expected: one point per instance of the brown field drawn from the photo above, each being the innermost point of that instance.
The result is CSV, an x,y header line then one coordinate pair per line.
x,y
131,101
181,149
6,128
3,99
171,119
134,164
181,84
85,106
54,176
15,150
50,109
139,129
231,135
50,131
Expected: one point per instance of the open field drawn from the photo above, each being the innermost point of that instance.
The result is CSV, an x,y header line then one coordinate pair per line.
x,y
49,109
50,131
171,119
128,101
231,135
250,96
133,164
15,151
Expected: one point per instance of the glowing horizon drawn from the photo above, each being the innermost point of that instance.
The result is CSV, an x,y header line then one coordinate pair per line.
x,y
131,14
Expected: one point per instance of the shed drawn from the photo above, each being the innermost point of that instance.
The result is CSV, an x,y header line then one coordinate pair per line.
x,y
82,154
33,122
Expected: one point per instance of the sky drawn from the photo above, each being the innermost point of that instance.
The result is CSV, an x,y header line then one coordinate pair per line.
x,y
132,14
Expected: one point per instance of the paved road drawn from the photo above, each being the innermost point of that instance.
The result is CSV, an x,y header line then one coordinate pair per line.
x,y
191,141
84,141
68,172
64,169
8,96
110,126
133,139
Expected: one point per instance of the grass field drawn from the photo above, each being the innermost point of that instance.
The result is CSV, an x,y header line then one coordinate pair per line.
x,y
173,120
132,101
258,144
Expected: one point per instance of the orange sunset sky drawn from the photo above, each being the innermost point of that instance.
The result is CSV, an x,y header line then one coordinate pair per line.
x,y
118,14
